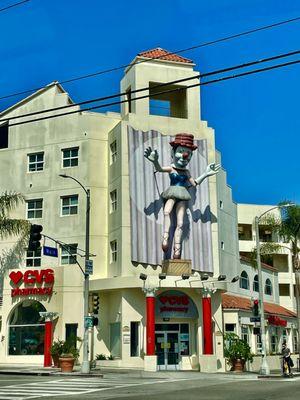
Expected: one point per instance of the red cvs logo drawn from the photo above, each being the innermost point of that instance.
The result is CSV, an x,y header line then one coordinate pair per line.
x,y
30,277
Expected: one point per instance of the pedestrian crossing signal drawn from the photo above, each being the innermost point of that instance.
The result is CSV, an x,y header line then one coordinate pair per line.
x,y
96,303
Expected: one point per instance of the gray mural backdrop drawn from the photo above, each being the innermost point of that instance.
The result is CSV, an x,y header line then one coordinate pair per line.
x,y
147,204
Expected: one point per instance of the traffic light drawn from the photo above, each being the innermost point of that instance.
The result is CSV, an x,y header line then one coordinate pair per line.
x,y
35,237
95,321
95,304
255,308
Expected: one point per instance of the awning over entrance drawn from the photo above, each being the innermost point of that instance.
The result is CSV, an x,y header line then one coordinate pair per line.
x,y
244,303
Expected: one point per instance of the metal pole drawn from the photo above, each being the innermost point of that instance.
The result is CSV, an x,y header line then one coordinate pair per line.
x,y
264,368
85,367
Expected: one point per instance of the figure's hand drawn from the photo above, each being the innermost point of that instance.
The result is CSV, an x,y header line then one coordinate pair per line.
x,y
151,155
212,169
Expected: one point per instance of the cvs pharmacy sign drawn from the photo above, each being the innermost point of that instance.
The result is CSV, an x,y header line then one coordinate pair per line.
x,y
38,277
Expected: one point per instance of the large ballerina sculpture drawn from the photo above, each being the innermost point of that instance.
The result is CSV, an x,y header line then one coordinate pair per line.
x,y
177,194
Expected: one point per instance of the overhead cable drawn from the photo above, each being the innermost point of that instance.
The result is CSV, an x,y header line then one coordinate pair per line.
x,y
205,44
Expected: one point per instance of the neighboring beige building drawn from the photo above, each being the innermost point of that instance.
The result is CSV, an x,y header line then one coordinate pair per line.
x,y
93,148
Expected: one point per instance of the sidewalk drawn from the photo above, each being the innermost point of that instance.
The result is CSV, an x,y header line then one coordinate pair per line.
x,y
17,369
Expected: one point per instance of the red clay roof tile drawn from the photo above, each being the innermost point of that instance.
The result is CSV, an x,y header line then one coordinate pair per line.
x,y
162,54
244,303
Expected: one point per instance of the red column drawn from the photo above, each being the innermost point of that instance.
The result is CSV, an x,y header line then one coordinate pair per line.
x,y
150,331
207,326
47,344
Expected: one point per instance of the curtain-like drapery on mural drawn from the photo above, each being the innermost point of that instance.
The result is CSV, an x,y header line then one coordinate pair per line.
x,y
147,204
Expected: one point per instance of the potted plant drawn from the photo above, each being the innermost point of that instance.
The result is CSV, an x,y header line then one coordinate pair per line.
x,y
237,352
55,351
68,356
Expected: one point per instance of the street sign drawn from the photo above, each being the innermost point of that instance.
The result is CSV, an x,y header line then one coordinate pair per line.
x,y
254,319
88,321
89,267
50,251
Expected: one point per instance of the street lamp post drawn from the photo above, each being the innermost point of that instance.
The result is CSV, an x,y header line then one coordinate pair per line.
x,y
264,368
85,366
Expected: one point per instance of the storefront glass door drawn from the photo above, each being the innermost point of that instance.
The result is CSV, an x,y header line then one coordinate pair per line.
x,y
167,350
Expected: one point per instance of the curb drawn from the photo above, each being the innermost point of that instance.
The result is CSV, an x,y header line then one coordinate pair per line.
x,y
49,373
277,376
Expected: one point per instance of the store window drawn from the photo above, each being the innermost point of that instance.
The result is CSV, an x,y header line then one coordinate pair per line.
x,y
69,205
36,162
258,344
274,339
245,333
295,341
35,208
255,284
230,328
71,334
268,287
70,157
26,329
134,339
244,281
33,258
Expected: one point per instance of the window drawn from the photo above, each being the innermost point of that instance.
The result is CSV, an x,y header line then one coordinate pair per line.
x,y
134,339
113,251
70,157
245,231
229,328
113,201
36,162
172,104
221,204
222,245
274,339
265,233
244,281
128,98
26,329
295,340
255,284
35,208
69,205
71,334
258,344
33,258
284,289
268,287
4,136
245,333
113,152
68,254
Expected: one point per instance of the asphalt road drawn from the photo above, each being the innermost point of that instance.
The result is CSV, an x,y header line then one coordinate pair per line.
x,y
127,387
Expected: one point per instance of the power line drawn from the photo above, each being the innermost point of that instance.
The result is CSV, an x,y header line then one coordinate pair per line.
x,y
198,76
14,5
205,44
163,92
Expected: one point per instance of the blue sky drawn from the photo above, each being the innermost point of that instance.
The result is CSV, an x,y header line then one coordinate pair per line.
x,y
256,118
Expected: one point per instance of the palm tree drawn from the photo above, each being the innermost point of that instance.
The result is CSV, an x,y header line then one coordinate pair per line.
x,y
12,257
287,227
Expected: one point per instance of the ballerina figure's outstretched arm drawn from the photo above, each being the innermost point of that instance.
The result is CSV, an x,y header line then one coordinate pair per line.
x,y
152,156
211,169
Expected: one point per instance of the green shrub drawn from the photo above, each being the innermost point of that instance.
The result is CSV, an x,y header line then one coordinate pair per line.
x,y
236,348
100,356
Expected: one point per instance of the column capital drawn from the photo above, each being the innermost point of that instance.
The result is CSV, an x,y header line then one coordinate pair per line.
x,y
150,291
207,292
49,315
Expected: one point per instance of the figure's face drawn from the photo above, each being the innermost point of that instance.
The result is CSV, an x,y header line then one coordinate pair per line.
x,y
181,156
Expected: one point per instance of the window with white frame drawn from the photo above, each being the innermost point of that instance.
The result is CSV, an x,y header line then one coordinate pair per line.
x,y
230,328
33,258
36,162
244,280
35,208
69,254
258,344
295,340
113,152
245,333
70,157
113,251
113,201
268,287
69,205
274,339
255,284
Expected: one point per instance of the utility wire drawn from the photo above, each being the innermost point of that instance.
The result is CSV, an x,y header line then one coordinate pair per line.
x,y
205,44
163,92
14,5
198,76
